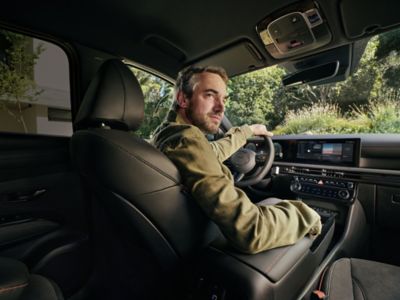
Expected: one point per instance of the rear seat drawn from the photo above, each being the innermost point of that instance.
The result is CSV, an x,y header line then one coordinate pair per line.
x,y
16,283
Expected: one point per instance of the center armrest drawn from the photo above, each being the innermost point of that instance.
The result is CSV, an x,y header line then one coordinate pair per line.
x,y
279,273
274,263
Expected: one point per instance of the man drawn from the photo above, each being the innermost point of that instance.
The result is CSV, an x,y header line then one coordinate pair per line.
x,y
200,95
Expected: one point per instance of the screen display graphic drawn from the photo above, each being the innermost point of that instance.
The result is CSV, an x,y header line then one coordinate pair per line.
x,y
330,151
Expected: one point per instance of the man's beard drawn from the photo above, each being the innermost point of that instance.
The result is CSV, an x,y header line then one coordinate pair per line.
x,y
204,122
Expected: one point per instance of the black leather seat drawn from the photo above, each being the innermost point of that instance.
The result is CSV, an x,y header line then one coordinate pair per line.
x,y
146,228
357,279
17,284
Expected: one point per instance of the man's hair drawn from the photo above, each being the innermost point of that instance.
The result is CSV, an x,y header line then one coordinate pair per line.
x,y
187,79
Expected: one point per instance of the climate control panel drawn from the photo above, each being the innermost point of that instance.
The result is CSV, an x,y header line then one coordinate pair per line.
x,y
340,190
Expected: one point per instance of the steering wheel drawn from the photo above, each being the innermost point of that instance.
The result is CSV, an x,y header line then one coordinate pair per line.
x,y
244,162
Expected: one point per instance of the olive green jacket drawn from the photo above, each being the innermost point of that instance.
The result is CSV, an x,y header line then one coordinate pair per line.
x,y
249,228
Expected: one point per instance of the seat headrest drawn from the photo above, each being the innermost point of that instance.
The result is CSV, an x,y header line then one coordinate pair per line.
x,y
114,98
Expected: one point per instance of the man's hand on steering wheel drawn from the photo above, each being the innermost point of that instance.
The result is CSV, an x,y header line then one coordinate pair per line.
x,y
259,129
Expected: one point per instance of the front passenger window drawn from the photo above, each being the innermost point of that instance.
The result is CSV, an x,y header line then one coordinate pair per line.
x,y
157,98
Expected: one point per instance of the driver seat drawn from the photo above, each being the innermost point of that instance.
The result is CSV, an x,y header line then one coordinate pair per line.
x,y
145,227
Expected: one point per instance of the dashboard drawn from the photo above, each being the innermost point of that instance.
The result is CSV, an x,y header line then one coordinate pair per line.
x,y
336,175
330,167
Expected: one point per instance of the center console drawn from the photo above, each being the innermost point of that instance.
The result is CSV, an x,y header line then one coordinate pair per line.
x,y
319,169
323,172
319,183
339,190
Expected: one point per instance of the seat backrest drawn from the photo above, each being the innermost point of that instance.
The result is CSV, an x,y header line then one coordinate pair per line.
x,y
137,186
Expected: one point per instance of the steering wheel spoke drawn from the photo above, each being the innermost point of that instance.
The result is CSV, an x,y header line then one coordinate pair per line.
x,y
246,163
238,176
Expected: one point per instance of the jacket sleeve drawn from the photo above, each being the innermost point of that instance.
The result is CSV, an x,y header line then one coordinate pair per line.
x,y
235,138
249,228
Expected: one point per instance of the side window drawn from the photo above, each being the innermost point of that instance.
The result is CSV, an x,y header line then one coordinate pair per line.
x,y
157,98
34,86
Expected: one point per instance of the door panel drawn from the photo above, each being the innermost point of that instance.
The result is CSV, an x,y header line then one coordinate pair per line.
x,y
43,218
387,225
382,210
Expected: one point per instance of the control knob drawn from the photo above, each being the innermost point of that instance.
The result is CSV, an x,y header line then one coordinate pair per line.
x,y
295,186
344,194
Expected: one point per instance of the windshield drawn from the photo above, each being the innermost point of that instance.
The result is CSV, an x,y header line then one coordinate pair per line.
x,y
367,102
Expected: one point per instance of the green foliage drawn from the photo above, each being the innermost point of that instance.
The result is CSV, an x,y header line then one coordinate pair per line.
x,y
158,97
16,74
377,117
383,117
317,119
388,42
249,95
357,89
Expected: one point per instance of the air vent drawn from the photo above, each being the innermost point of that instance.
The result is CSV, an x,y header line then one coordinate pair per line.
x,y
329,173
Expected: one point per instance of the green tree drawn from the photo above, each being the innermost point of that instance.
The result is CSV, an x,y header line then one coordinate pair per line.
x,y
16,74
250,96
158,97
359,87
388,42
300,97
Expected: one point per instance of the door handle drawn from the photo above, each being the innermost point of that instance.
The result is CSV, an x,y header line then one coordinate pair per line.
x,y
23,196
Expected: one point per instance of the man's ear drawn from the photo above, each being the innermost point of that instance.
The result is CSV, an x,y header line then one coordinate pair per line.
x,y
182,100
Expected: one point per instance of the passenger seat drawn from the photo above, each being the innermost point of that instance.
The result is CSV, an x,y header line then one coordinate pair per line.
x,y
17,284
358,279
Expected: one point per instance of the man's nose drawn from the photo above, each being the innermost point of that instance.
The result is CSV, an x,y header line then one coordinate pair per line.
x,y
220,103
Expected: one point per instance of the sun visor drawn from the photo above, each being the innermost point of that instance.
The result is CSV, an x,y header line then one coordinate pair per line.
x,y
366,17
236,59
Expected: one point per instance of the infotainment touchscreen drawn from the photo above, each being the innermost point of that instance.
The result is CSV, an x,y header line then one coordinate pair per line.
x,y
330,151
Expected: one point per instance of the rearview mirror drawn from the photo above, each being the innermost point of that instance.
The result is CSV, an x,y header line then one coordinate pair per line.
x,y
312,75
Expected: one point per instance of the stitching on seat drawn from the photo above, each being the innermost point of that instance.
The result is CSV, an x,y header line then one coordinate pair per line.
x,y
328,289
11,288
150,222
356,282
124,88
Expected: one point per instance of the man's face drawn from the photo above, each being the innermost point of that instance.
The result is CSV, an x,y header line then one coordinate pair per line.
x,y
207,104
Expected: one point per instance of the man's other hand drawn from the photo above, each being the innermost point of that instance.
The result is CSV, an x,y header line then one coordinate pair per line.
x,y
259,129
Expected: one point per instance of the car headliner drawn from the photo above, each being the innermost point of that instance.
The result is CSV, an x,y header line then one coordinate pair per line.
x,y
167,35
